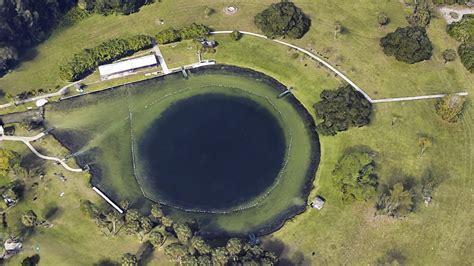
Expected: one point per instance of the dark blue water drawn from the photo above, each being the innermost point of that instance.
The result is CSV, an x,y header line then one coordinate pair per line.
x,y
212,152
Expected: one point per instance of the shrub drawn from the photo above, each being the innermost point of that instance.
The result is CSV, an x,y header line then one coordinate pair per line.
x,y
341,109
449,55
168,36
450,107
236,35
87,60
408,44
283,19
383,19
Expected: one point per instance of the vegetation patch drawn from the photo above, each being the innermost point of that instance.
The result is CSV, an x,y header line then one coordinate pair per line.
x,y
450,107
192,31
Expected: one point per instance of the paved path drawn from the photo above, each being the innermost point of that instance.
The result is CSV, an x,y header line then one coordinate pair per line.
x,y
342,75
461,11
60,92
162,60
27,141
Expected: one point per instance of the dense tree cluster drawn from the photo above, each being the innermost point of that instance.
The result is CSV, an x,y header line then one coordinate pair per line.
x,y
408,44
450,107
283,19
107,7
421,15
25,23
181,240
341,109
450,2
192,31
355,176
87,60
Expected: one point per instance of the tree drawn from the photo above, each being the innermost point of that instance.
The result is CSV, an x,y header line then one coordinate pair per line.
x,y
132,215
338,29
88,209
194,31
235,35
462,30
189,260
220,256
383,19
124,204
156,238
167,221
204,260
146,224
234,246
31,261
395,202
354,174
340,109
200,245
409,44
421,15
450,107
114,218
129,259
9,160
8,57
29,218
175,251
183,232
156,211
449,55
424,142
283,19
132,227
208,11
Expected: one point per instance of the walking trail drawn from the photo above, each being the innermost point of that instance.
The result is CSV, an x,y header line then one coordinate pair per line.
x,y
342,75
27,141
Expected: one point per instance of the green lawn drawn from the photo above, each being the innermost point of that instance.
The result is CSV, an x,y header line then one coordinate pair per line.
x,y
439,234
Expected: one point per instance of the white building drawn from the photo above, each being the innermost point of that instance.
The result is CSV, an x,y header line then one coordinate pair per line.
x,y
41,102
126,67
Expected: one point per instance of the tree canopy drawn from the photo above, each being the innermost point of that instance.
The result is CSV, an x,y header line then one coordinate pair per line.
x,y
354,174
341,109
107,7
466,54
408,44
283,19
192,31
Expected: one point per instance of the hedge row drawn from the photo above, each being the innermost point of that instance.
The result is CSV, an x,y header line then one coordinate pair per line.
x,y
466,53
192,31
87,60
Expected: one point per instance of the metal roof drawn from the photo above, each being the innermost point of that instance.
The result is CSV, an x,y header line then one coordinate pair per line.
x,y
114,68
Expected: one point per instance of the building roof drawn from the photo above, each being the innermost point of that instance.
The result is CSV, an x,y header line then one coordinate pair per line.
x,y
114,68
41,102
317,203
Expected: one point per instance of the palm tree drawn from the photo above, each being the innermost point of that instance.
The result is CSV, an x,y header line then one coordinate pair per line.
x,y
29,218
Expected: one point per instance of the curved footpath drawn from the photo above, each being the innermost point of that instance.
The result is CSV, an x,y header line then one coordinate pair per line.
x,y
27,141
339,73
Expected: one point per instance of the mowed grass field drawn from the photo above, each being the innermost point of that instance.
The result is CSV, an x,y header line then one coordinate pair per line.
x,y
438,234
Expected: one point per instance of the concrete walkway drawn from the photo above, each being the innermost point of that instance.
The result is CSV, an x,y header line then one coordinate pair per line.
x,y
460,11
161,59
340,74
27,141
